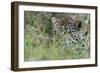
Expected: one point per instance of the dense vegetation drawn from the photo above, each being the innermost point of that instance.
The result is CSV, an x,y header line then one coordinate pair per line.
x,y
43,43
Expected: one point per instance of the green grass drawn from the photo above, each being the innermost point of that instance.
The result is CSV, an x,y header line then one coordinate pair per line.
x,y
38,45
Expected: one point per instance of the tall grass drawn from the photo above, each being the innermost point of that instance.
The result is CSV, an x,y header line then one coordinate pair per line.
x,y
42,44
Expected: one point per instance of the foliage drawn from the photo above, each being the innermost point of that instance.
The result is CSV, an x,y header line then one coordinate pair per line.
x,y
42,43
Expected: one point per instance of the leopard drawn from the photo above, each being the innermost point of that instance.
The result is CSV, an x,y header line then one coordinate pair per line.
x,y
73,34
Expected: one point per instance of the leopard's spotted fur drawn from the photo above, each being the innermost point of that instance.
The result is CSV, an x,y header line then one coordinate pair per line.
x,y
72,26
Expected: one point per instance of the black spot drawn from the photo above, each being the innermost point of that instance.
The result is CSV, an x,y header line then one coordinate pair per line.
x,y
76,39
54,31
82,45
80,24
83,39
72,42
86,33
64,32
73,31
